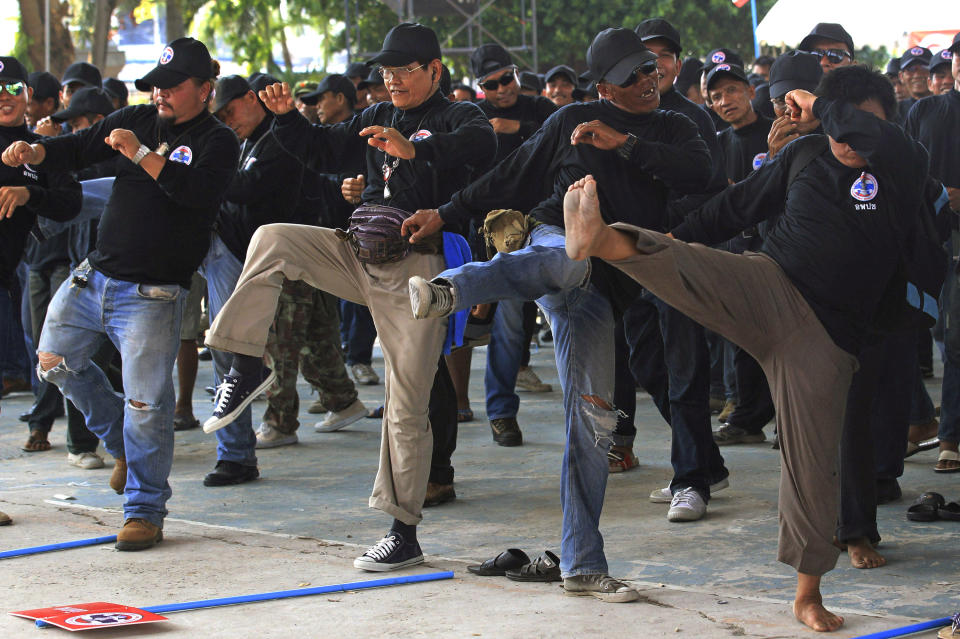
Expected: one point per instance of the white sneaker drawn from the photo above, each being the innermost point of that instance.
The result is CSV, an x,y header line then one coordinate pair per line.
x,y
687,505
336,421
270,437
428,299
364,374
86,461
664,496
527,380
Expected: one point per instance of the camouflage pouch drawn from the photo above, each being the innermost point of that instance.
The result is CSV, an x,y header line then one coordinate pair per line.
x,y
505,231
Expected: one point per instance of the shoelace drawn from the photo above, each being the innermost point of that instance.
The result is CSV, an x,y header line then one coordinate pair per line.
x,y
684,498
383,548
224,391
442,296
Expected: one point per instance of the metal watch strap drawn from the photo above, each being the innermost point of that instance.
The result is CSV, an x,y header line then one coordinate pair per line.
x,y
625,149
140,154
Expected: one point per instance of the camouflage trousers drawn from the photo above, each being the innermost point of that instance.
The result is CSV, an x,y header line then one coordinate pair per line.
x,y
305,337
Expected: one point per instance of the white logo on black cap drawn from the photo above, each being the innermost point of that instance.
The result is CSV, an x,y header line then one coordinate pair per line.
x,y
722,67
718,57
916,51
166,56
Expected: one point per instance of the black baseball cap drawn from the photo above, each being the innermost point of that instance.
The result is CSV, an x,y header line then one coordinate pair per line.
x,y
116,88
261,81
229,88
915,55
181,59
563,70
12,71
488,58
659,28
83,72
373,79
357,70
722,56
614,54
827,31
86,100
335,83
893,67
446,81
689,74
724,69
530,81
794,70
408,42
955,47
939,58
44,84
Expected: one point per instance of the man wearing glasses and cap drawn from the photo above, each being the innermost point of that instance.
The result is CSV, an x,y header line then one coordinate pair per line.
x,y
559,84
831,43
418,149
647,153
175,161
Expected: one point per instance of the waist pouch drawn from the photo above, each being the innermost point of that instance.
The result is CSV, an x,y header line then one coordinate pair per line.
x,y
374,232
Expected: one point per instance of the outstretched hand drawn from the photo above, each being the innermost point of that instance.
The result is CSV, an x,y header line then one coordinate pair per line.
x,y
19,153
277,98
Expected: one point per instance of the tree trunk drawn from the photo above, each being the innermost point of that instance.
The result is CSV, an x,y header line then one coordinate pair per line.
x,y
32,19
101,32
175,22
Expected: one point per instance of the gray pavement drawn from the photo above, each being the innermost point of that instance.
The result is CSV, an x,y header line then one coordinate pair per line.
x,y
306,519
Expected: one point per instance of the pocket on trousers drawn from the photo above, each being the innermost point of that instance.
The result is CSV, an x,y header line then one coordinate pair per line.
x,y
162,293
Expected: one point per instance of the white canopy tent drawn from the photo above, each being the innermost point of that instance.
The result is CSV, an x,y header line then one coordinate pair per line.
x,y
872,23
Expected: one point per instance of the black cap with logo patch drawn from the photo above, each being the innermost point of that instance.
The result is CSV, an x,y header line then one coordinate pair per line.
x,y
722,56
730,70
82,72
335,83
915,55
941,58
84,101
794,70
408,42
614,54
181,59
659,28
11,70
488,58
827,31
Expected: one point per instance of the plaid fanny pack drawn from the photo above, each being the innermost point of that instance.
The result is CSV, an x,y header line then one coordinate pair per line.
x,y
374,232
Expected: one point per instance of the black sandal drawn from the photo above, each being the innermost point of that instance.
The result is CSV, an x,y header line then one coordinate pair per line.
x,y
926,508
36,443
545,568
507,560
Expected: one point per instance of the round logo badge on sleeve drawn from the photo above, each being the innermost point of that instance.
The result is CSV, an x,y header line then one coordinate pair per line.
x,y
718,57
864,188
166,55
182,154
758,160
422,134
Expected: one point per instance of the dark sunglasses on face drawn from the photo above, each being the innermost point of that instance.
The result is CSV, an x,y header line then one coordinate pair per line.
x,y
502,81
14,88
835,56
646,69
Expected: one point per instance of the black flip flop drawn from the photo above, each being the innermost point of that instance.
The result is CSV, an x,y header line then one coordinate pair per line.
x,y
545,568
950,512
508,559
926,508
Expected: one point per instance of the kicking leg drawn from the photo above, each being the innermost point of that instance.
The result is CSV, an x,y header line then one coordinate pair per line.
x,y
587,234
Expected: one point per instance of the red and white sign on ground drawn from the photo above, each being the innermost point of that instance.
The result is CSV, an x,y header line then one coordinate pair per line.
x,y
90,616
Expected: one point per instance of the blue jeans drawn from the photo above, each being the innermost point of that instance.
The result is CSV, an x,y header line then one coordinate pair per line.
x,y
582,322
13,356
950,396
143,322
503,360
221,268
357,332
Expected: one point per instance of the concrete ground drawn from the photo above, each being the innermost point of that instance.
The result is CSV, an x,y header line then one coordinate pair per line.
x,y
305,520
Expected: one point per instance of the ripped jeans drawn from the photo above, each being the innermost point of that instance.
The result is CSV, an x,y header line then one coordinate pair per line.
x,y
143,322
582,322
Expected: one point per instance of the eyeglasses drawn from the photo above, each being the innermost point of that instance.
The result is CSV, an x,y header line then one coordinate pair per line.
x,y
645,69
14,88
835,56
502,81
401,72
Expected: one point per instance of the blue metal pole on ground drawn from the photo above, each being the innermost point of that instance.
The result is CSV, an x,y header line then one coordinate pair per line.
x,y
909,630
286,594
62,546
756,43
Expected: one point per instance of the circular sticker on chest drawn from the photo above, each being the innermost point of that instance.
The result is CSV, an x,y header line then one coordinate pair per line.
x,y
422,134
758,160
182,154
864,188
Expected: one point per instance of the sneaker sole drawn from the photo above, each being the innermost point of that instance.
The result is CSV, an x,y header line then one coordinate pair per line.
x,y
216,423
341,424
615,597
139,545
685,516
417,289
658,497
372,566
277,443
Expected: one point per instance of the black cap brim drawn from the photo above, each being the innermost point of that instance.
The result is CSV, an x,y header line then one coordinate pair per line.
x,y
394,59
67,114
9,80
733,72
221,101
619,73
160,78
780,89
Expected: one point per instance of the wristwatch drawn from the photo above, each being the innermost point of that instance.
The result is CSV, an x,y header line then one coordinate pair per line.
x,y
140,154
625,149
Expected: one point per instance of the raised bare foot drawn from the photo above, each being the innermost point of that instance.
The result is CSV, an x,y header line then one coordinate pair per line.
x,y
581,219
863,554
811,613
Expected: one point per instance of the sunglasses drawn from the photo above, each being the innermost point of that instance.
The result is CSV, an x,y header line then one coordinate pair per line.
x,y
645,69
835,56
502,81
14,88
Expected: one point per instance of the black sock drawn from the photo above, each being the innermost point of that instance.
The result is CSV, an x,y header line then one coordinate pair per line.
x,y
246,365
407,531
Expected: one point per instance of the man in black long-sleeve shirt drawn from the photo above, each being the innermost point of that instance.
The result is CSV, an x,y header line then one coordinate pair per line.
x,y
646,153
154,231
805,302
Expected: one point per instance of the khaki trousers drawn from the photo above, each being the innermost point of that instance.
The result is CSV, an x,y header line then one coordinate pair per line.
x,y
411,348
749,300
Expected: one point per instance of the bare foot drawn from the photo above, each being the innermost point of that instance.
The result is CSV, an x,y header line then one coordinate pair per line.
x,y
863,554
581,219
811,613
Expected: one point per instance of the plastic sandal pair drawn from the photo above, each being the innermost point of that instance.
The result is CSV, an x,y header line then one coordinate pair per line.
x,y
514,564
931,507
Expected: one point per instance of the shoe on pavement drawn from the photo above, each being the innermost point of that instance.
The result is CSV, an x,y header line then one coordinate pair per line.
x,y
390,553
15,386
342,418
185,423
687,505
364,374
5,519
439,494
428,299
506,431
664,496
603,587
118,478
235,394
527,380
138,534
317,408
86,461
728,408
621,459
270,437
228,473
728,434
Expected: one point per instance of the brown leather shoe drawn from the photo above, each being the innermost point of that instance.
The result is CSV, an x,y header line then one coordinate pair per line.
x,y
439,494
118,479
5,519
138,534
15,386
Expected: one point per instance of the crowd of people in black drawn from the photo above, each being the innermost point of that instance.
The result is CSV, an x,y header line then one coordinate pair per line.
x,y
763,242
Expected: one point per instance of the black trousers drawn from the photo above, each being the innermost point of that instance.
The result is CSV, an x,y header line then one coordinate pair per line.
x,y
754,404
443,423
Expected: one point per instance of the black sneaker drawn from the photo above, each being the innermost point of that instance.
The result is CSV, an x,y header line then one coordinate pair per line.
x,y
390,553
506,431
233,395
228,473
